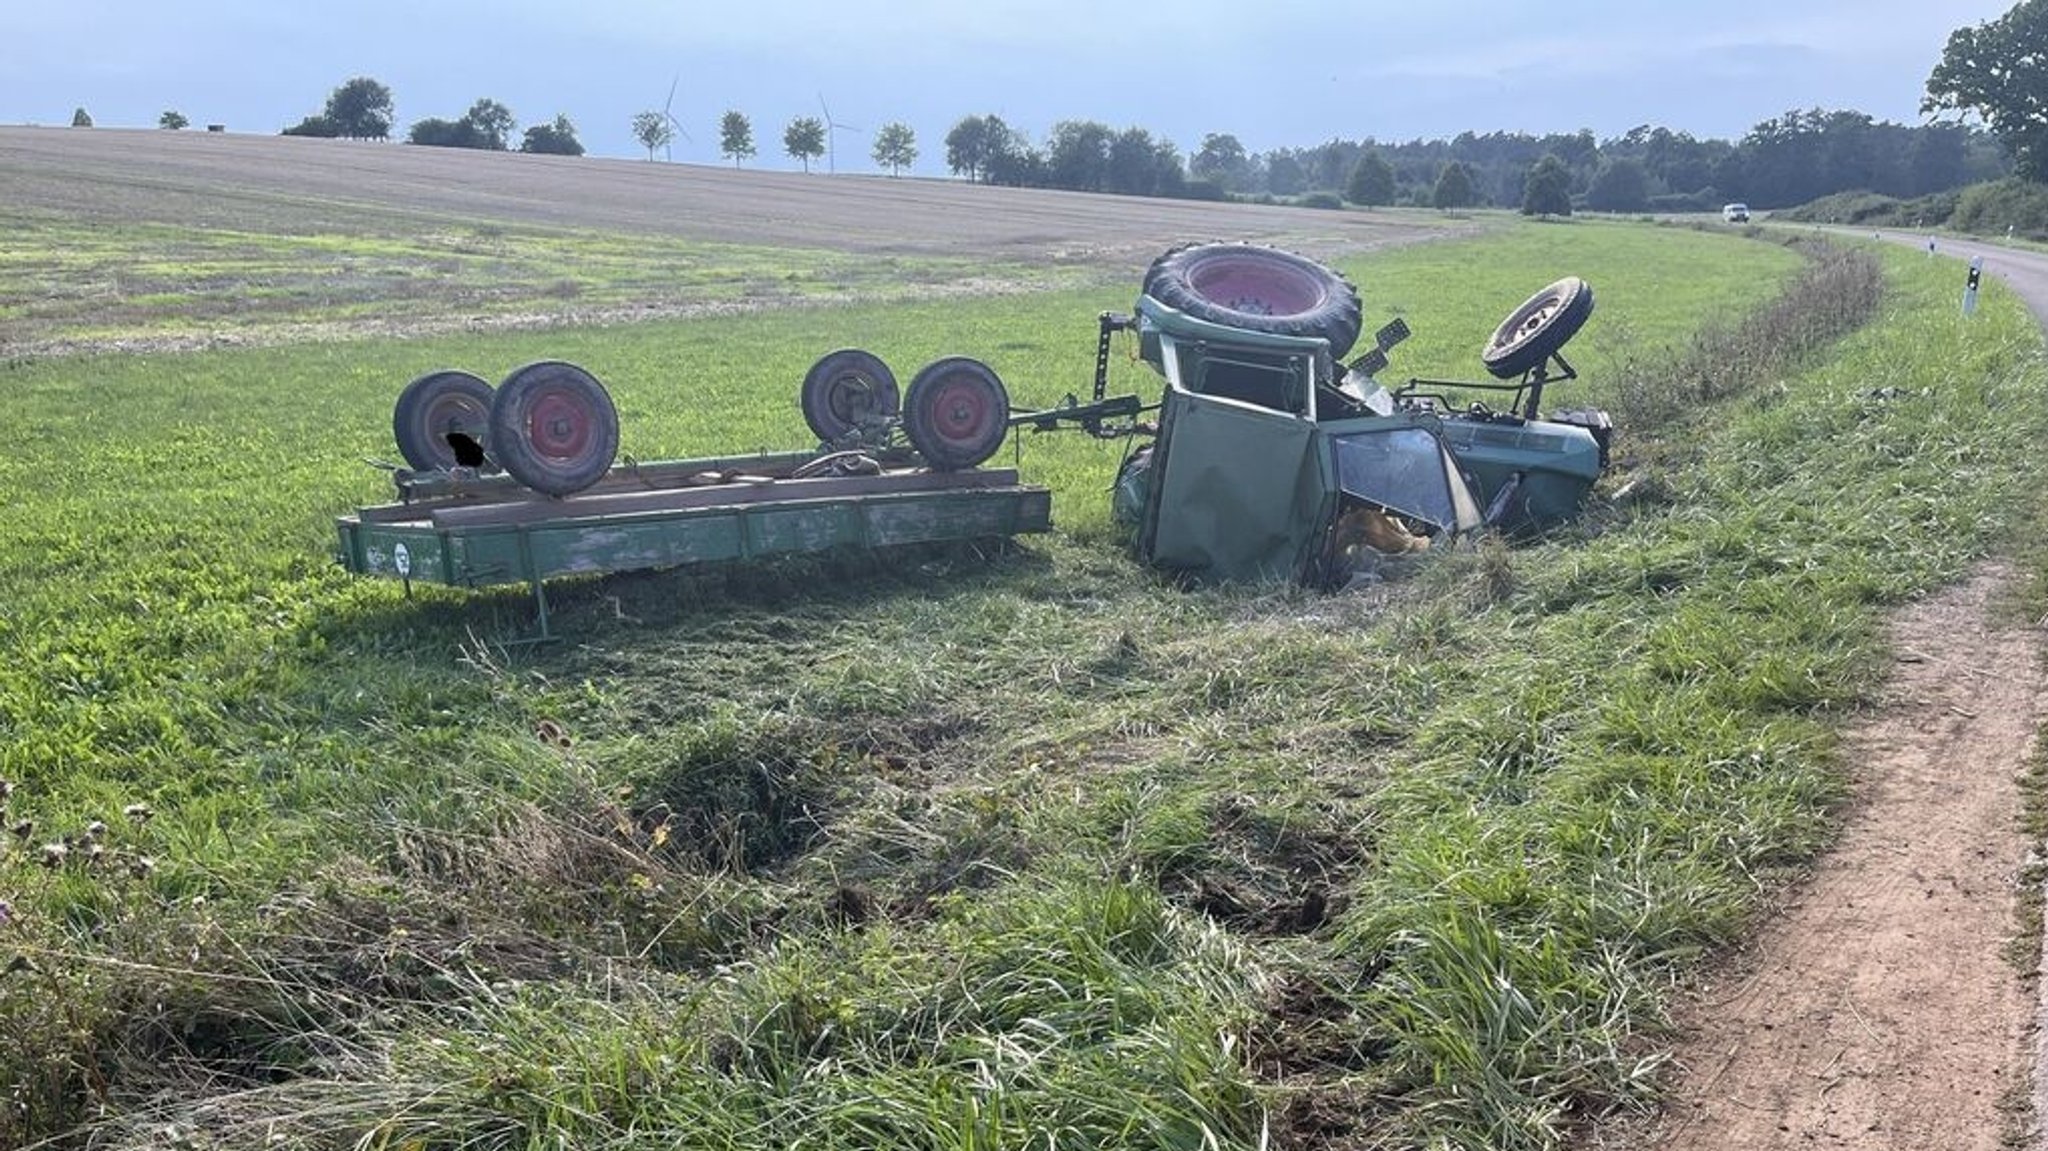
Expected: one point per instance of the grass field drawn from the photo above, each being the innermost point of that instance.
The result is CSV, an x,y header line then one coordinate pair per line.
x,y
959,849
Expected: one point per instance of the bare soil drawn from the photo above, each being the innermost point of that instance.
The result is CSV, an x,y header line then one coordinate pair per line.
x,y
296,185
1876,1009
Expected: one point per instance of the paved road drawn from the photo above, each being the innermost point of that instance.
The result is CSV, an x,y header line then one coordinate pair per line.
x,y
2022,269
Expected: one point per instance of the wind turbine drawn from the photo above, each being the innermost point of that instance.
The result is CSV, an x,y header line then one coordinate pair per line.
x,y
675,125
831,129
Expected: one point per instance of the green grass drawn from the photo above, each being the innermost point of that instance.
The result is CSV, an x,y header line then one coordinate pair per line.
x,y
68,284
948,849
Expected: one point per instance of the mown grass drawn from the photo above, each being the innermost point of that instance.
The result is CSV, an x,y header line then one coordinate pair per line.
x,y
65,285
949,849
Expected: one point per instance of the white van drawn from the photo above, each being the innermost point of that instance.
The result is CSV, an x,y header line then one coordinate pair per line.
x,y
1735,213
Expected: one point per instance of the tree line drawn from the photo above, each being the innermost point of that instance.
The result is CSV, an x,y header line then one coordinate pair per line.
x,y
1790,159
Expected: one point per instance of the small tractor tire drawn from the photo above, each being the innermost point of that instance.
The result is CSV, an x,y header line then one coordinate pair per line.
x,y
957,413
845,390
435,406
1539,328
554,428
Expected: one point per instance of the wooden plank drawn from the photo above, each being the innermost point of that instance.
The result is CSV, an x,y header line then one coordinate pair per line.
x,y
723,495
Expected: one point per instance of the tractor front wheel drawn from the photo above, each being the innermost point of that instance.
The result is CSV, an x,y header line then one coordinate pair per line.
x,y
1539,328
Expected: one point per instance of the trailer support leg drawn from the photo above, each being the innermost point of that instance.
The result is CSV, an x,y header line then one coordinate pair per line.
x,y
540,592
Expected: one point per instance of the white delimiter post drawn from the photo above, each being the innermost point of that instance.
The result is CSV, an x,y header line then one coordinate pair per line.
x,y
1970,288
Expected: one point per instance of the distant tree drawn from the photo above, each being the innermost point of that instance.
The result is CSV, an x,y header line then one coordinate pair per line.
x,y
1285,175
1011,158
1999,70
1621,185
1223,160
173,121
1372,180
967,147
804,139
1142,166
1077,155
79,118
736,136
492,122
895,147
361,108
1548,191
556,139
319,126
1454,187
653,130
434,133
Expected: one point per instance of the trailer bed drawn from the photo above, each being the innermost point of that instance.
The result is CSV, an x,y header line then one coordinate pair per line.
x,y
486,533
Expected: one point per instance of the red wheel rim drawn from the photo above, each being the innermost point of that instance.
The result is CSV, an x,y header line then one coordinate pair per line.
x,y
558,425
961,407
1256,287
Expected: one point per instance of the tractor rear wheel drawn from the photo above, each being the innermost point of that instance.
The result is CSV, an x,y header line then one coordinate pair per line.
x,y
958,413
553,427
1259,289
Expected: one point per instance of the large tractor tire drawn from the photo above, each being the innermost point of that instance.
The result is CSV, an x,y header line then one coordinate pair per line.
x,y
1259,289
1539,328
554,428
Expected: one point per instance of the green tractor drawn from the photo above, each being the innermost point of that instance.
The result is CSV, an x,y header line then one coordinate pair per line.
x,y
1274,459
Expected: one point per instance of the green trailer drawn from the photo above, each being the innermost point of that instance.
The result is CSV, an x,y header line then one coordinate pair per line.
x,y
465,531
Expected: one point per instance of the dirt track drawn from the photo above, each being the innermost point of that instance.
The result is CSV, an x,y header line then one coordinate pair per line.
x,y
1877,1011
295,185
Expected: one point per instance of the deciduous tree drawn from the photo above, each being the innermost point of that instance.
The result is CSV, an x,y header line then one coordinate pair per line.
x,y
1548,191
1621,185
492,122
1999,71
895,147
736,136
1454,188
361,109
173,121
804,139
1222,159
556,139
653,130
967,147
1372,180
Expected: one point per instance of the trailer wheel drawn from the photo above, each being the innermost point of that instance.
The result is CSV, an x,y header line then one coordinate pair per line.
x,y
553,427
1539,328
845,390
1259,289
958,413
436,407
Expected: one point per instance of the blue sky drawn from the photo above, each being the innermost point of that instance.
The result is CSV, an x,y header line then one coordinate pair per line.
x,y
1275,73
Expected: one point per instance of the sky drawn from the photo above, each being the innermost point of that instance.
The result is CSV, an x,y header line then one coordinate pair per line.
x,y
1273,73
